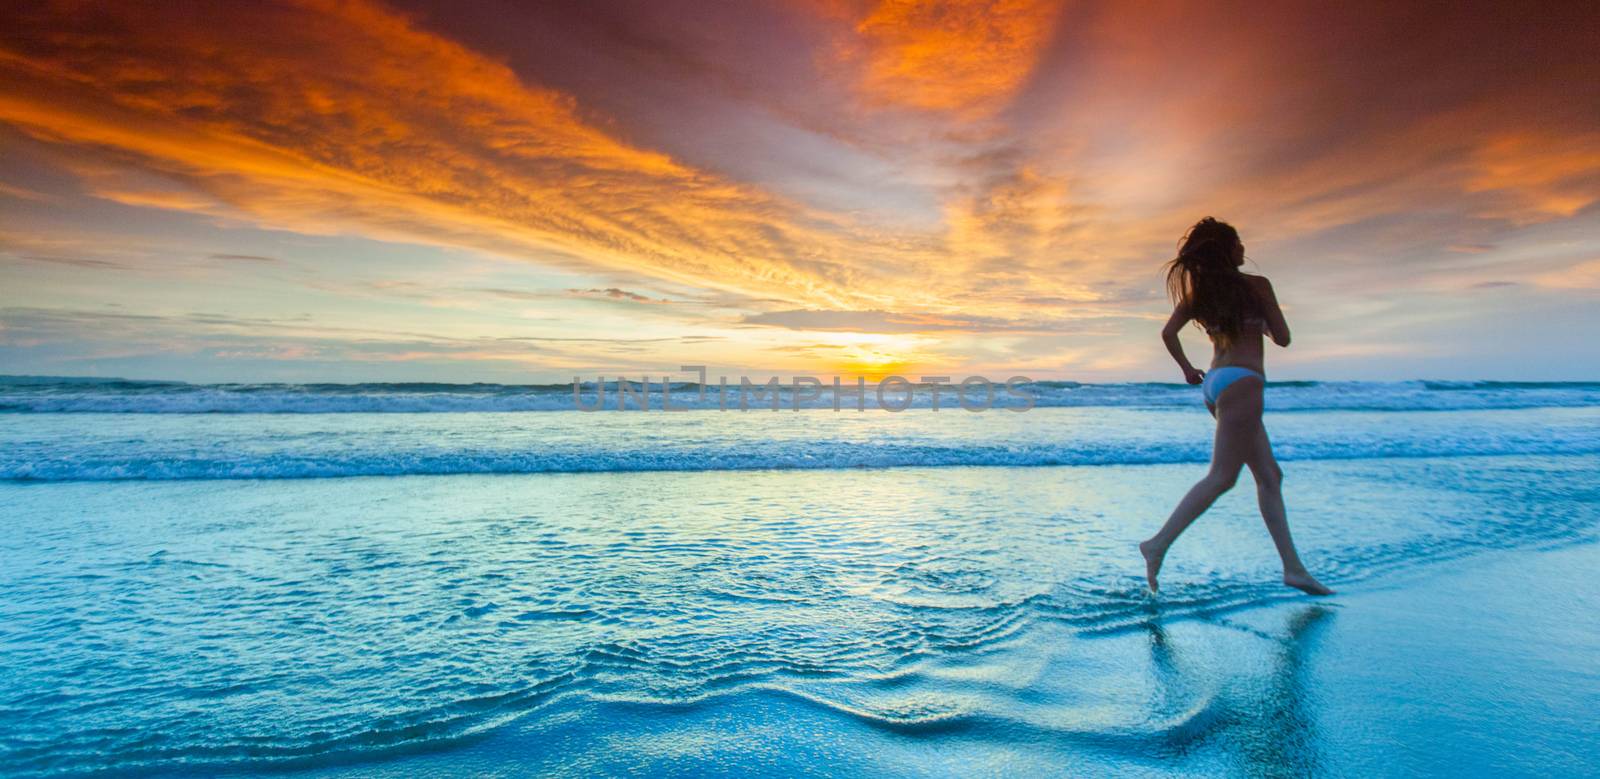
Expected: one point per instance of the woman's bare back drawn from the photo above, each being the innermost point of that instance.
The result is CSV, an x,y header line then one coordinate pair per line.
x,y
1248,350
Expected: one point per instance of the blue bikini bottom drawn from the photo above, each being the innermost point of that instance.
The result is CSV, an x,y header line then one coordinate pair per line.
x,y
1218,379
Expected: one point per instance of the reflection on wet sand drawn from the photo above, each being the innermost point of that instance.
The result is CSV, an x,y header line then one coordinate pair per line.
x,y
1267,725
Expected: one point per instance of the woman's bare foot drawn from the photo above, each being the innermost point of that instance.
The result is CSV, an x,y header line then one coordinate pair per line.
x,y
1302,581
1152,564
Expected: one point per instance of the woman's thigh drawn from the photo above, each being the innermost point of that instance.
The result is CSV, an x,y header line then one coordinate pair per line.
x,y
1238,414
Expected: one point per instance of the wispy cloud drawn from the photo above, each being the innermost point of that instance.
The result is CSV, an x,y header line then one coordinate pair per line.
x,y
68,337
243,258
76,262
893,322
613,293
23,193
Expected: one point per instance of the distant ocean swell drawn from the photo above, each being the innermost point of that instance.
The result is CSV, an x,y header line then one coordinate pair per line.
x,y
284,461
53,395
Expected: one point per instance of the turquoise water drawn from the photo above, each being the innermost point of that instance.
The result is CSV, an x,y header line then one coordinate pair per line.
x,y
643,592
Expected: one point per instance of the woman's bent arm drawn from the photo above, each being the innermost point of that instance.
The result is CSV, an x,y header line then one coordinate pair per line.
x,y
1277,327
1169,336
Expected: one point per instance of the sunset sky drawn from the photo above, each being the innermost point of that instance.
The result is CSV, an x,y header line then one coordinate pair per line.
x,y
524,192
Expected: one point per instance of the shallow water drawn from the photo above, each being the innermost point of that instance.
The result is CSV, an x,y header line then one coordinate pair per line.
x,y
255,622
159,616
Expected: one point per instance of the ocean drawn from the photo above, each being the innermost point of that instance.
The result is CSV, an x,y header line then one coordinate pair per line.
x,y
479,579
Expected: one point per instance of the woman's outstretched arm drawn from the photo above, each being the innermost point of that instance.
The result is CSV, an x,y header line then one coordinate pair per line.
x,y
1169,336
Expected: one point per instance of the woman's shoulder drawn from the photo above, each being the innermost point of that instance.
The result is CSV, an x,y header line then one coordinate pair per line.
x,y
1264,297
1259,285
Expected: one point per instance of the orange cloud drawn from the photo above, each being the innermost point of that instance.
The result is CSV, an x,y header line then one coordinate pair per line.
x,y
1583,275
336,117
966,57
1548,176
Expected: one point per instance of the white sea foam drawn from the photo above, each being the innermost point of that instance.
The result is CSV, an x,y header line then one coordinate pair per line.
x,y
114,447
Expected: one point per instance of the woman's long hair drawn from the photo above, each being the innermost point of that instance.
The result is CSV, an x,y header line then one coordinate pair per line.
x,y
1205,279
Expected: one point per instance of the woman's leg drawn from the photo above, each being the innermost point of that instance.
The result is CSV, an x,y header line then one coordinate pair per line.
x,y
1238,414
1269,491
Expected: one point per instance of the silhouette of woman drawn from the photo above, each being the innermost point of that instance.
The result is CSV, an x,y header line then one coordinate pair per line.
x,y
1235,309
